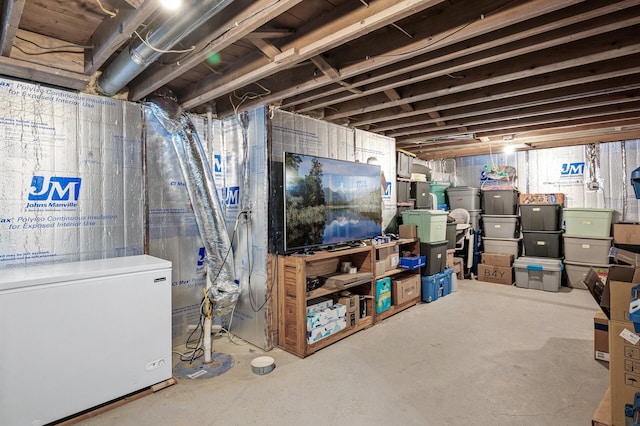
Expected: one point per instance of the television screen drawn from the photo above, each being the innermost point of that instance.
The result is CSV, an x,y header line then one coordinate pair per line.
x,y
329,202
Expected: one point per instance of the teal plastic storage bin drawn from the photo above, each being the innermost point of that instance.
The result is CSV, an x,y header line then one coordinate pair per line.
x,y
439,188
432,224
383,294
588,222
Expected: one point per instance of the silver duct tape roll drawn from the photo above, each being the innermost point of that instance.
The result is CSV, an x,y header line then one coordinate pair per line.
x,y
224,290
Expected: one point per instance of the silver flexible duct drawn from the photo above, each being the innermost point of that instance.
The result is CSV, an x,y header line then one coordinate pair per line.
x,y
223,289
138,55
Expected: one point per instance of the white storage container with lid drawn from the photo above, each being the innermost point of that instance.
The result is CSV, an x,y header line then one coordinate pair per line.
x,y
538,273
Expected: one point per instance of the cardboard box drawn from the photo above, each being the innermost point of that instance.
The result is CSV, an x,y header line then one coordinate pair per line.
x,y
624,368
626,233
497,259
381,267
602,416
450,254
625,256
390,255
353,318
352,302
318,304
495,274
405,289
324,317
408,231
620,281
552,198
326,330
597,289
601,336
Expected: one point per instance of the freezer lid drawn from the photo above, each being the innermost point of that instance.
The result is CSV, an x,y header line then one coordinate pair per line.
x,y
28,276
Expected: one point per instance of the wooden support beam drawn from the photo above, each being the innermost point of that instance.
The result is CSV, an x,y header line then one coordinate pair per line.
x,y
11,14
311,42
326,68
435,115
419,47
42,74
269,50
393,95
269,33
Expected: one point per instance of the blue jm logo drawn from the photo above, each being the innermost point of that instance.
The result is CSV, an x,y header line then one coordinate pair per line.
x,y
231,195
201,256
387,192
572,169
56,188
217,163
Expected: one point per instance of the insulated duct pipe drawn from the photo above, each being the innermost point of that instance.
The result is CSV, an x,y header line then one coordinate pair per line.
x,y
137,56
223,290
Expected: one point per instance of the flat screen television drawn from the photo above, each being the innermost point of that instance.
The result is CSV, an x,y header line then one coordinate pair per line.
x,y
329,202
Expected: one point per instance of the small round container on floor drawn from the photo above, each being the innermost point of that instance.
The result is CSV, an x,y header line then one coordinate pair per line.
x,y
263,365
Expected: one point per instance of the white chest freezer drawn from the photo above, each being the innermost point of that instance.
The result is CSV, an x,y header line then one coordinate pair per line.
x,y
76,335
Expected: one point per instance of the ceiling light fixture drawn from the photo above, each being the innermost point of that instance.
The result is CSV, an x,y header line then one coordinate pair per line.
x,y
171,4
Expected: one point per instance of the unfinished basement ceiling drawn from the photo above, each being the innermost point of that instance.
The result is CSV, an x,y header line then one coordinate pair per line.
x,y
444,78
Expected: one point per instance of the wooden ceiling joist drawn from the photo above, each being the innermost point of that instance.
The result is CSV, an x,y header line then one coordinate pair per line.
x,y
310,43
11,14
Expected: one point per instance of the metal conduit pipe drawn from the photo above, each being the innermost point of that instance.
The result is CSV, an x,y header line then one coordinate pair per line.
x,y
137,56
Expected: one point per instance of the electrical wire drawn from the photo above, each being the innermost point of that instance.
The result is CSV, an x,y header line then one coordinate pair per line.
x,y
247,96
53,49
108,12
155,49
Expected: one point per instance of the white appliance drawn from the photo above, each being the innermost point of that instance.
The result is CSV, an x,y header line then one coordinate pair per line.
x,y
76,335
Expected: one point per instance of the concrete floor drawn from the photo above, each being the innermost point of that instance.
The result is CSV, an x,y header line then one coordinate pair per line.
x,y
487,354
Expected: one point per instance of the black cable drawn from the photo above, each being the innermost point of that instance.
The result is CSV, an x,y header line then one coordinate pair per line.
x,y
252,300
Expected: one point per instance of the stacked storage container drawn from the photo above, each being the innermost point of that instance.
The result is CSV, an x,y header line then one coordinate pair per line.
x,y
542,230
500,222
465,197
500,235
541,267
438,188
587,242
432,232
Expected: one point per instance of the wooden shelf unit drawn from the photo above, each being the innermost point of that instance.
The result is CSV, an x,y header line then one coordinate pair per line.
x,y
293,297
406,244
293,271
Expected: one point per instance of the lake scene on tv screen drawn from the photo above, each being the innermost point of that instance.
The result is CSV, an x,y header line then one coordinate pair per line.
x,y
330,201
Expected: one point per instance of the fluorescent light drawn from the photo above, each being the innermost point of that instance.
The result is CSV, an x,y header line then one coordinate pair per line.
x,y
509,149
171,4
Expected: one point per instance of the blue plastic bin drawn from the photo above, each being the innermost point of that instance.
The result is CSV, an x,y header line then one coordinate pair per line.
x,y
430,288
413,262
